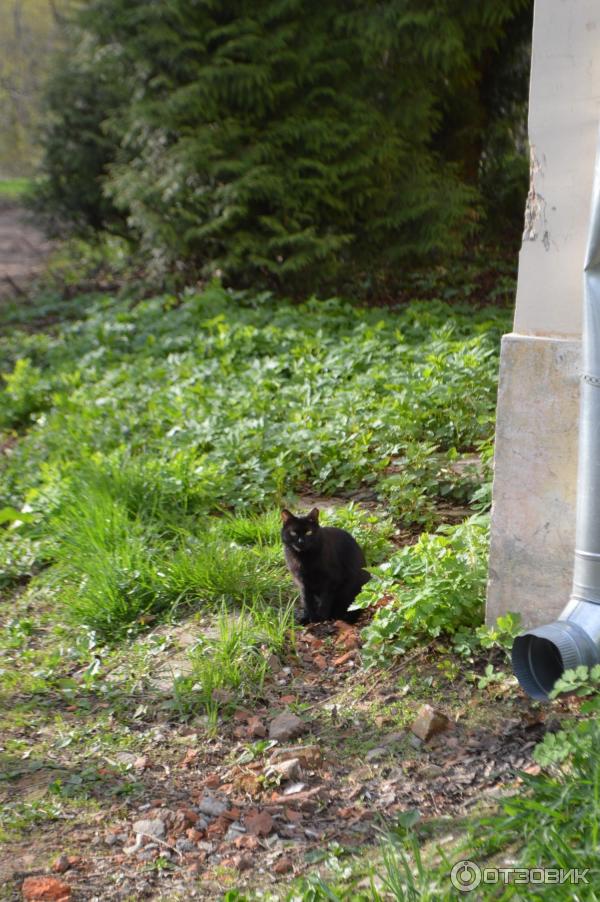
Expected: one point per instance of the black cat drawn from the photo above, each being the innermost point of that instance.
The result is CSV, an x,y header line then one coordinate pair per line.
x,y
326,564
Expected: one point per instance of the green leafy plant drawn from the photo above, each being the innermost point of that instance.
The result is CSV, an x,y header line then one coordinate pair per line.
x,y
432,588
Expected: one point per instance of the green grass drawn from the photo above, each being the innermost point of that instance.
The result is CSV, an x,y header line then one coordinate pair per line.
x,y
14,189
157,440
236,656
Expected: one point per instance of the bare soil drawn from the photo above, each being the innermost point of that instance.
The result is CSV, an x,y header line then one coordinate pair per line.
x,y
360,768
23,250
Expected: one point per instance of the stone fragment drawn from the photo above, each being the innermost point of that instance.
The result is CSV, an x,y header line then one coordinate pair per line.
x,y
343,659
287,770
286,726
211,805
429,722
153,827
234,832
308,755
184,819
283,866
185,845
48,889
61,864
259,824
256,728
212,781
194,834
250,843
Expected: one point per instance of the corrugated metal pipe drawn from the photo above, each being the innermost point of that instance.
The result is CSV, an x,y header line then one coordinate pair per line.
x,y
540,656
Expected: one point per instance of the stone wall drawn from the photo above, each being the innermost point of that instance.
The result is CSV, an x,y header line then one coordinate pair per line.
x,y
533,514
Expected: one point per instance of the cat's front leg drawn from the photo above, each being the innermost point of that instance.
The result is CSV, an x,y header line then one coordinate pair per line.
x,y
326,602
309,609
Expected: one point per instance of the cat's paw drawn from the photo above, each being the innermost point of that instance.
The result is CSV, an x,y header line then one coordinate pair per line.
x,y
303,618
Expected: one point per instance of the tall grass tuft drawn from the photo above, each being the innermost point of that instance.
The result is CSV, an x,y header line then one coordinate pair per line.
x,y
236,656
108,563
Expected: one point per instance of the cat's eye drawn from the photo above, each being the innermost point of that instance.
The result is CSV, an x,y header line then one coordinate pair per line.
x,y
309,532
293,533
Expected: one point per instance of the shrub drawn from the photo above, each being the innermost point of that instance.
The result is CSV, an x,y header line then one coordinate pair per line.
x,y
297,145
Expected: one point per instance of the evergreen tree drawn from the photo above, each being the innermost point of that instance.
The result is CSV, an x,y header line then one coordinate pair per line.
x,y
290,142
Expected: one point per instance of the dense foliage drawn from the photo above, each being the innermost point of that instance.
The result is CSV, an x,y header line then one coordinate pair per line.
x,y
139,424
291,144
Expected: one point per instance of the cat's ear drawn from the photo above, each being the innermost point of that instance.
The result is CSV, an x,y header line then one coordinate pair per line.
x,y
314,515
286,516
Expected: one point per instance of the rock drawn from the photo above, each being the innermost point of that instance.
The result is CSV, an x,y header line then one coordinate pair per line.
x,y
154,827
114,839
234,832
415,742
259,824
185,845
256,728
209,804
250,843
287,770
195,834
308,755
343,659
320,662
45,888
286,726
429,722
212,781
61,864
141,762
283,866
293,789
376,754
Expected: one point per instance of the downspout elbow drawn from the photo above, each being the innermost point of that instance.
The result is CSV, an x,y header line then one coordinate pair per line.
x,y
541,655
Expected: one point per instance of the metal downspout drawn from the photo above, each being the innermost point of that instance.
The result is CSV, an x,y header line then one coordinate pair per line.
x,y
541,655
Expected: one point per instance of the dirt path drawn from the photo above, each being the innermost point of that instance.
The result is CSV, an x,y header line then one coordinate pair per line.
x,y
23,250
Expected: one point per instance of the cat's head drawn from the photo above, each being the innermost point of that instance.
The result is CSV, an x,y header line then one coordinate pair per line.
x,y
300,533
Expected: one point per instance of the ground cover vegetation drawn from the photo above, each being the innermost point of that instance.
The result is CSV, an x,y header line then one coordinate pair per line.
x,y
150,433
296,146
147,447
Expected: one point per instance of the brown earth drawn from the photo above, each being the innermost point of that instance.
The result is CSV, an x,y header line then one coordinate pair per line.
x,y
200,810
23,250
